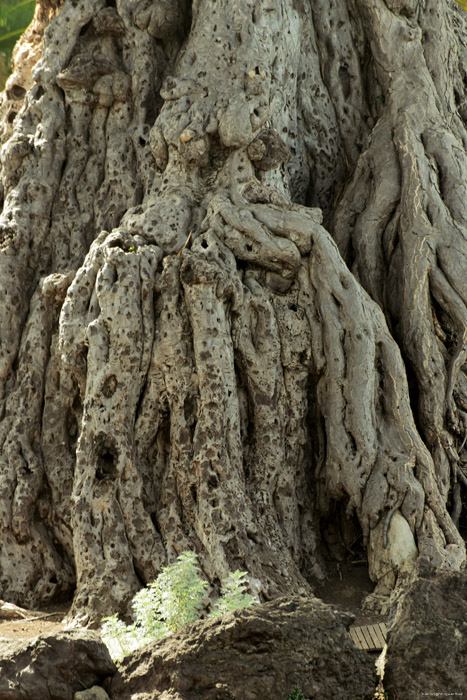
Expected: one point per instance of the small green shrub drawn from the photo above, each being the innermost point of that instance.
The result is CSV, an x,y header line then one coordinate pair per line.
x,y
296,694
233,594
174,599
120,639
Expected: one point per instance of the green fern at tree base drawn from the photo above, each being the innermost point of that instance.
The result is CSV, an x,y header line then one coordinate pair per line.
x,y
176,598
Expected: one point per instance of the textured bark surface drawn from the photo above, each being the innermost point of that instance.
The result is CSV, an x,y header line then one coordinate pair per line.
x,y
27,52
189,359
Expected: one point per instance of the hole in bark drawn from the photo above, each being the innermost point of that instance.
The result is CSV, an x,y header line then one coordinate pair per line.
x,y
40,92
342,536
106,465
106,457
85,28
16,92
194,493
345,81
109,386
413,394
11,117
189,409
212,482
155,522
72,428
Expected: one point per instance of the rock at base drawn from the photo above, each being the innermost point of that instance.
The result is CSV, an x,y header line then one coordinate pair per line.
x,y
53,667
94,693
266,651
427,641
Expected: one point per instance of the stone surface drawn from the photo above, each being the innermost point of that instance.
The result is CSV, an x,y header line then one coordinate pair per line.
x,y
251,654
427,642
53,667
94,693
9,611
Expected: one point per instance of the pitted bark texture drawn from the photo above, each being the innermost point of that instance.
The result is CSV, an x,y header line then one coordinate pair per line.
x,y
186,361
25,56
401,223
268,651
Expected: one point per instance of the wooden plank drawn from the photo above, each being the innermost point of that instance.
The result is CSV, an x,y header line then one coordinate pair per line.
x,y
369,637
366,633
380,634
359,638
373,632
355,637
364,637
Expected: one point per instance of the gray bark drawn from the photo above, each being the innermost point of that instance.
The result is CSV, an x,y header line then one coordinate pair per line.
x,y
189,358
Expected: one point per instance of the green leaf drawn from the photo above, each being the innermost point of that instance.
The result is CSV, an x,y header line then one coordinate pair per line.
x,y
14,20
296,694
174,599
233,594
15,34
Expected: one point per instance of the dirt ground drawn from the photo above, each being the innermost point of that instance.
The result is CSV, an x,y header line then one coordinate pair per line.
x,y
346,587
47,621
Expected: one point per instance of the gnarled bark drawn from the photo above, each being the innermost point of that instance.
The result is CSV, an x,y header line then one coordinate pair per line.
x,y
187,361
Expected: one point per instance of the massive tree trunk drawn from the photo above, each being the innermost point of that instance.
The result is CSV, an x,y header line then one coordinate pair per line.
x,y
233,268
